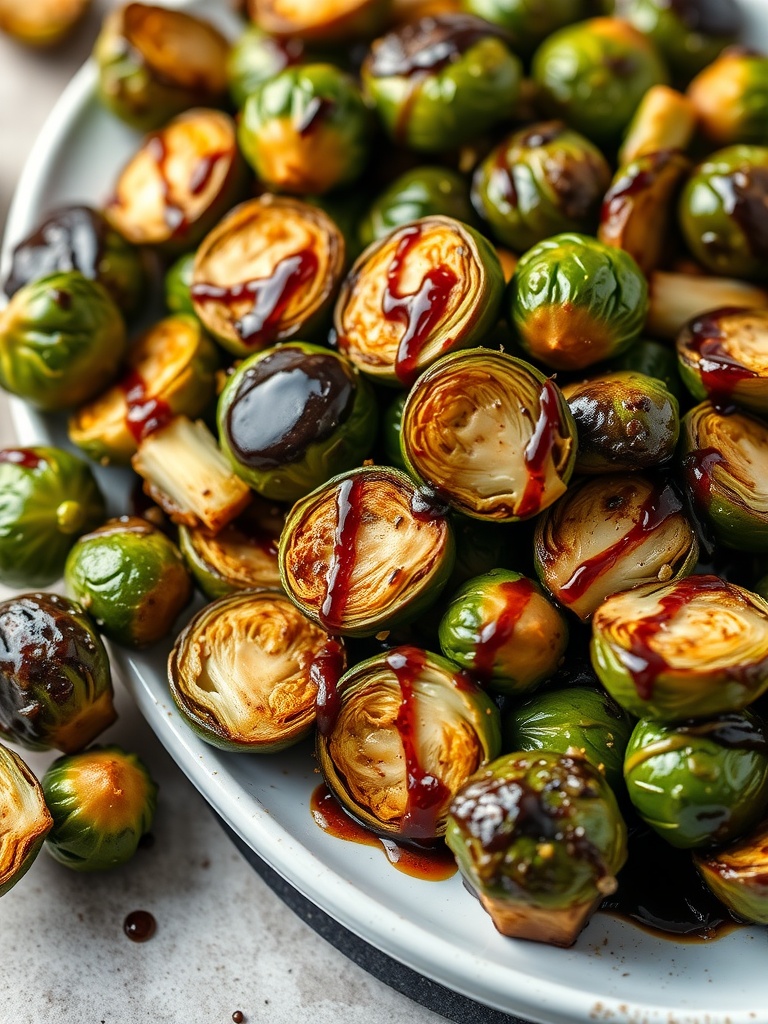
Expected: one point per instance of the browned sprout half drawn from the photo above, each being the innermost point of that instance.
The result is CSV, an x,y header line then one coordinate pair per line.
x,y
24,819
40,22
665,120
333,20
677,298
738,874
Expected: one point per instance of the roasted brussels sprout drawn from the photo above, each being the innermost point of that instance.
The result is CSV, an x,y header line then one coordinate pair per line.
x,y
408,732
573,301
652,359
41,22
699,783
423,290
539,182
694,648
26,820
336,21
540,838
47,498
62,339
610,534
256,56
664,120
490,434
178,285
676,298
528,22
155,63
268,272
102,801
503,629
249,670
55,684
293,416
365,552
731,98
738,874
441,81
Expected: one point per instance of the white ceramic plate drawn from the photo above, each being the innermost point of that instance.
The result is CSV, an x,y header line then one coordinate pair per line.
x,y
615,972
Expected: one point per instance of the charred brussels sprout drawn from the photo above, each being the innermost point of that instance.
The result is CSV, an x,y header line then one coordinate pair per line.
x,y
731,98
41,22
62,339
102,801
574,301
55,684
699,783
439,82
26,819
539,182
336,21
433,729
528,22
490,434
651,359
738,874
131,578
47,498
540,838
503,629
256,56
178,284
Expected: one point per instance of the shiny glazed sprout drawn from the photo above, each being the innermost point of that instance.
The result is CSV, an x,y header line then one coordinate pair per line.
x,y
527,22
41,22
730,97
337,21
738,874
177,285
256,56
25,817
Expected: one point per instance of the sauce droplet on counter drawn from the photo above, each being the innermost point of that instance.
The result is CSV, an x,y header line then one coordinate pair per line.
x,y
238,1017
140,926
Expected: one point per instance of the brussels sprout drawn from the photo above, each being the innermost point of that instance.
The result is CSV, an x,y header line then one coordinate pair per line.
x,y
249,670
738,874
665,119
439,82
676,298
79,238
610,534
626,421
503,629
731,98
365,552
391,428
291,417
346,209
540,838
180,182
47,498
425,289
699,783
433,729
490,434
256,57
594,74
26,820
178,284
41,22
481,547
62,339
155,63
55,684
539,182
652,359
131,578
693,648
528,22
102,801
268,272
336,21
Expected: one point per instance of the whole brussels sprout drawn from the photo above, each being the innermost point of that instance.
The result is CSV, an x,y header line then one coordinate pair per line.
x,y
337,21
178,284
528,22
731,98
62,339
41,22
256,56
102,801
738,874
652,359
26,819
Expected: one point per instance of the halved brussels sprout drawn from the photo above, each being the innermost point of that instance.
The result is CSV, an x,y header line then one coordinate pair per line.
x,y
268,272
738,874
103,801
336,21
178,284
425,289
665,119
502,629
155,63
693,648
528,22
41,22
652,359
55,683
249,670
574,301
293,416
540,838
731,98
365,552
490,434
676,298
26,820
699,783
410,729
256,57
610,534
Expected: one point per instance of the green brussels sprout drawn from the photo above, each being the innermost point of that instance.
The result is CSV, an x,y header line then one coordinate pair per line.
x,y
102,801
131,578
737,874
433,729
249,672
291,417
731,98
574,301
425,289
528,22
178,285
79,238
55,683
26,820
676,298
502,629
481,547
699,783
724,215
440,81
693,648
256,57
391,428
652,359
154,63
306,130
62,339
664,120
47,498
540,838
539,182
41,22
337,21
365,552
490,434
610,534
